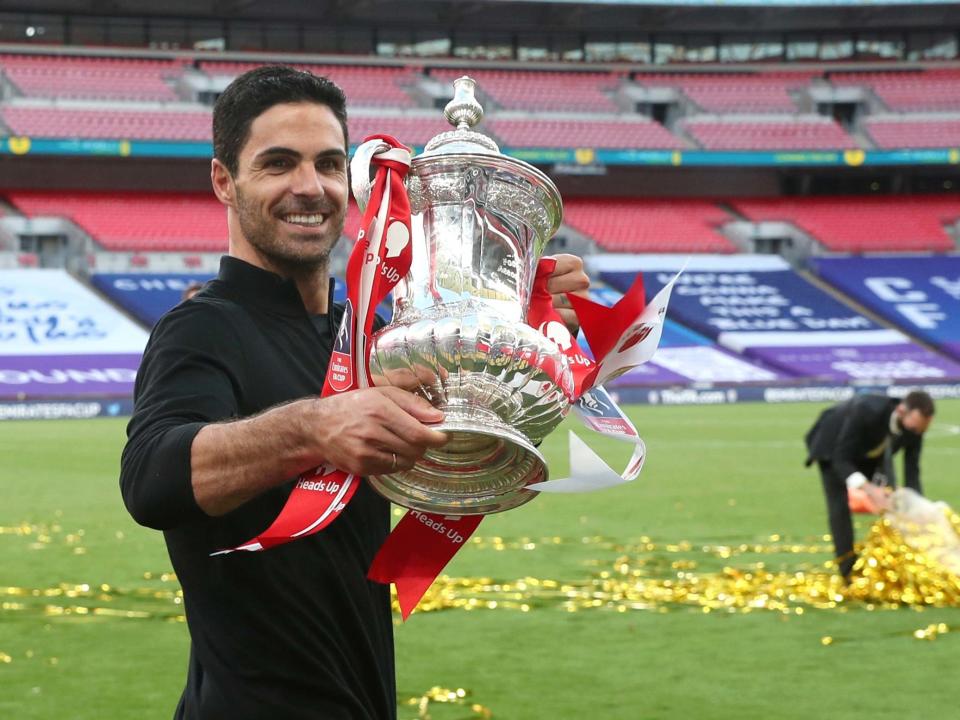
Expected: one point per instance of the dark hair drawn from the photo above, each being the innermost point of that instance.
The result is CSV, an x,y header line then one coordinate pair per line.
x,y
258,90
920,400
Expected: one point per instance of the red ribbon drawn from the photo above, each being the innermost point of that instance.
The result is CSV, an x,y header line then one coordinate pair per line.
x,y
380,257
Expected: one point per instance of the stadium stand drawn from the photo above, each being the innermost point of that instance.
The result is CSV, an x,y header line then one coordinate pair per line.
x,y
733,92
864,224
408,129
908,90
550,132
757,132
634,225
136,221
588,92
91,77
364,85
912,132
107,123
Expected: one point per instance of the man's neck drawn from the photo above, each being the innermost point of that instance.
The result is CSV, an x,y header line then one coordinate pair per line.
x,y
314,288
312,281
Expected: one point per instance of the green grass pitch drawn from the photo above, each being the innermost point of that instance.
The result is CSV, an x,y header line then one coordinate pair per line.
x,y
90,623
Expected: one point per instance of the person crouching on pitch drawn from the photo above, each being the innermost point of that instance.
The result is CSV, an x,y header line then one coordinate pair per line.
x,y
855,440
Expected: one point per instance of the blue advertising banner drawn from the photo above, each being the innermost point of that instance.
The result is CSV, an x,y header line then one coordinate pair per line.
x,y
571,157
686,356
147,296
920,294
757,305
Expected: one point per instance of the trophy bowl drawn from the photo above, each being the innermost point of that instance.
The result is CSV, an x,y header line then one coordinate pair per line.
x,y
459,338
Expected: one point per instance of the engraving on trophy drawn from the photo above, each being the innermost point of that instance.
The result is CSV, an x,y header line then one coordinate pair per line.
x,y
459,335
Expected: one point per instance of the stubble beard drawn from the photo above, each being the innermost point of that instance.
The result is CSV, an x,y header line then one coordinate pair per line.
x,y
291,257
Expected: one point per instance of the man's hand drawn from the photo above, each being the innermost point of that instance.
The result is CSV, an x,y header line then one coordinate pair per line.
x,y
568,276
359,432
878,496
362,431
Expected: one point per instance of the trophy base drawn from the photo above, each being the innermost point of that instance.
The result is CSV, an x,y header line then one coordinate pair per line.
x,y
483,469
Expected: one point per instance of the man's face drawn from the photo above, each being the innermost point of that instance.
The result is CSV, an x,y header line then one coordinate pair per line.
x,y
913,420
291,186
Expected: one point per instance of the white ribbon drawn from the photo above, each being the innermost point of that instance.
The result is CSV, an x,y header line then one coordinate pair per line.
x,y
598,411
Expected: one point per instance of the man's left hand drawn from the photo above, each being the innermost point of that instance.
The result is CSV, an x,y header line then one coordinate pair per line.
x,y
568,276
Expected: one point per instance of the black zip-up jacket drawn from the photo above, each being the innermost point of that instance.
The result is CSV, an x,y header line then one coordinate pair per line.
x,y
296,631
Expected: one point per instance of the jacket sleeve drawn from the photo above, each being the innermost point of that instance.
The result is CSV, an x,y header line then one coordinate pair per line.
x,y
185,381
848,447
911,464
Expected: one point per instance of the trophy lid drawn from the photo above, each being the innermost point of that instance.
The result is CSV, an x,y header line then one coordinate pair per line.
x,y
463,112
438,173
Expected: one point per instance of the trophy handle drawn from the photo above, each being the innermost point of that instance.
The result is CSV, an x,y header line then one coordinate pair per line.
x,y
360,180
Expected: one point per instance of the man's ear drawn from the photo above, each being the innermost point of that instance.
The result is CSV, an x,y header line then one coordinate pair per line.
x,y
222,182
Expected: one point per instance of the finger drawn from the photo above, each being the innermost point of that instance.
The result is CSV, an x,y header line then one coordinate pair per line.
x,y
574,282
402,420
398,461
571,279
413,405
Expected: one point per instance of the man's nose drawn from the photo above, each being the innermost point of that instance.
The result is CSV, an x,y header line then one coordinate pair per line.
x,y
306,181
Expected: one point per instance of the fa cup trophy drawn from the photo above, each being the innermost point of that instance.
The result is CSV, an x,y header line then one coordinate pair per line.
x,y
459,336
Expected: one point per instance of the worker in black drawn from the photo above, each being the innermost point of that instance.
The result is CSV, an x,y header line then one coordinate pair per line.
x,y
856,439
227,415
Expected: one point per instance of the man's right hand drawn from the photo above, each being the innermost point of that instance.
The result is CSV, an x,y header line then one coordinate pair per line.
x,y
879,496
360,431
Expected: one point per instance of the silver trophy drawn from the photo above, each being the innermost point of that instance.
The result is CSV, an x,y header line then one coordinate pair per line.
x,y
459,337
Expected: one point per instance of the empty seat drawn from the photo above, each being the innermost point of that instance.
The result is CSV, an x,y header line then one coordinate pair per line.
x,y
864,224
650,226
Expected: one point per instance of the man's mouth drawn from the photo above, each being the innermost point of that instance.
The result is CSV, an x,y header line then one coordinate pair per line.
x,y
311,220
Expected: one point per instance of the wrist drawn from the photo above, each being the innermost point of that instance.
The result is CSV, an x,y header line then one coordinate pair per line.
x,y
856,480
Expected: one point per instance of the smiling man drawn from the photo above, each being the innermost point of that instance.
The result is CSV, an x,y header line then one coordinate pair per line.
x,y
228,414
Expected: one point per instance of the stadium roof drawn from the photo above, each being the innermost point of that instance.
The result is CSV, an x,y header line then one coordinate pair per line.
x,y
532,15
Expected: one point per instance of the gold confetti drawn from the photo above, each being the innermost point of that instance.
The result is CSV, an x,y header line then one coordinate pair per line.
x,y
893,569
440,695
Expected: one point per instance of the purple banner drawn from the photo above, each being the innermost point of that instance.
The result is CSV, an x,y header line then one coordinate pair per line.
x,y
67,376
699,364
864,363
648,374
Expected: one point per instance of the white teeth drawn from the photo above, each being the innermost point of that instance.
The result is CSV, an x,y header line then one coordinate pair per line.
x,y
305,219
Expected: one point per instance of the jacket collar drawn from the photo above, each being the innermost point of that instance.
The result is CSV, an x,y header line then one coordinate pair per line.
x,y
262,288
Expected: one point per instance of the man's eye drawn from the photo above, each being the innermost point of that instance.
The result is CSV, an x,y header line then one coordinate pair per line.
x,y
278,163
328,164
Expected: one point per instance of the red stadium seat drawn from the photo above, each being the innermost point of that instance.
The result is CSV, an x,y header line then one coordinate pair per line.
x,y
364,86
105,123
543,90
547,132
908,91
733,92
136,221
864,224
91,77
799,133
650,226
901,132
